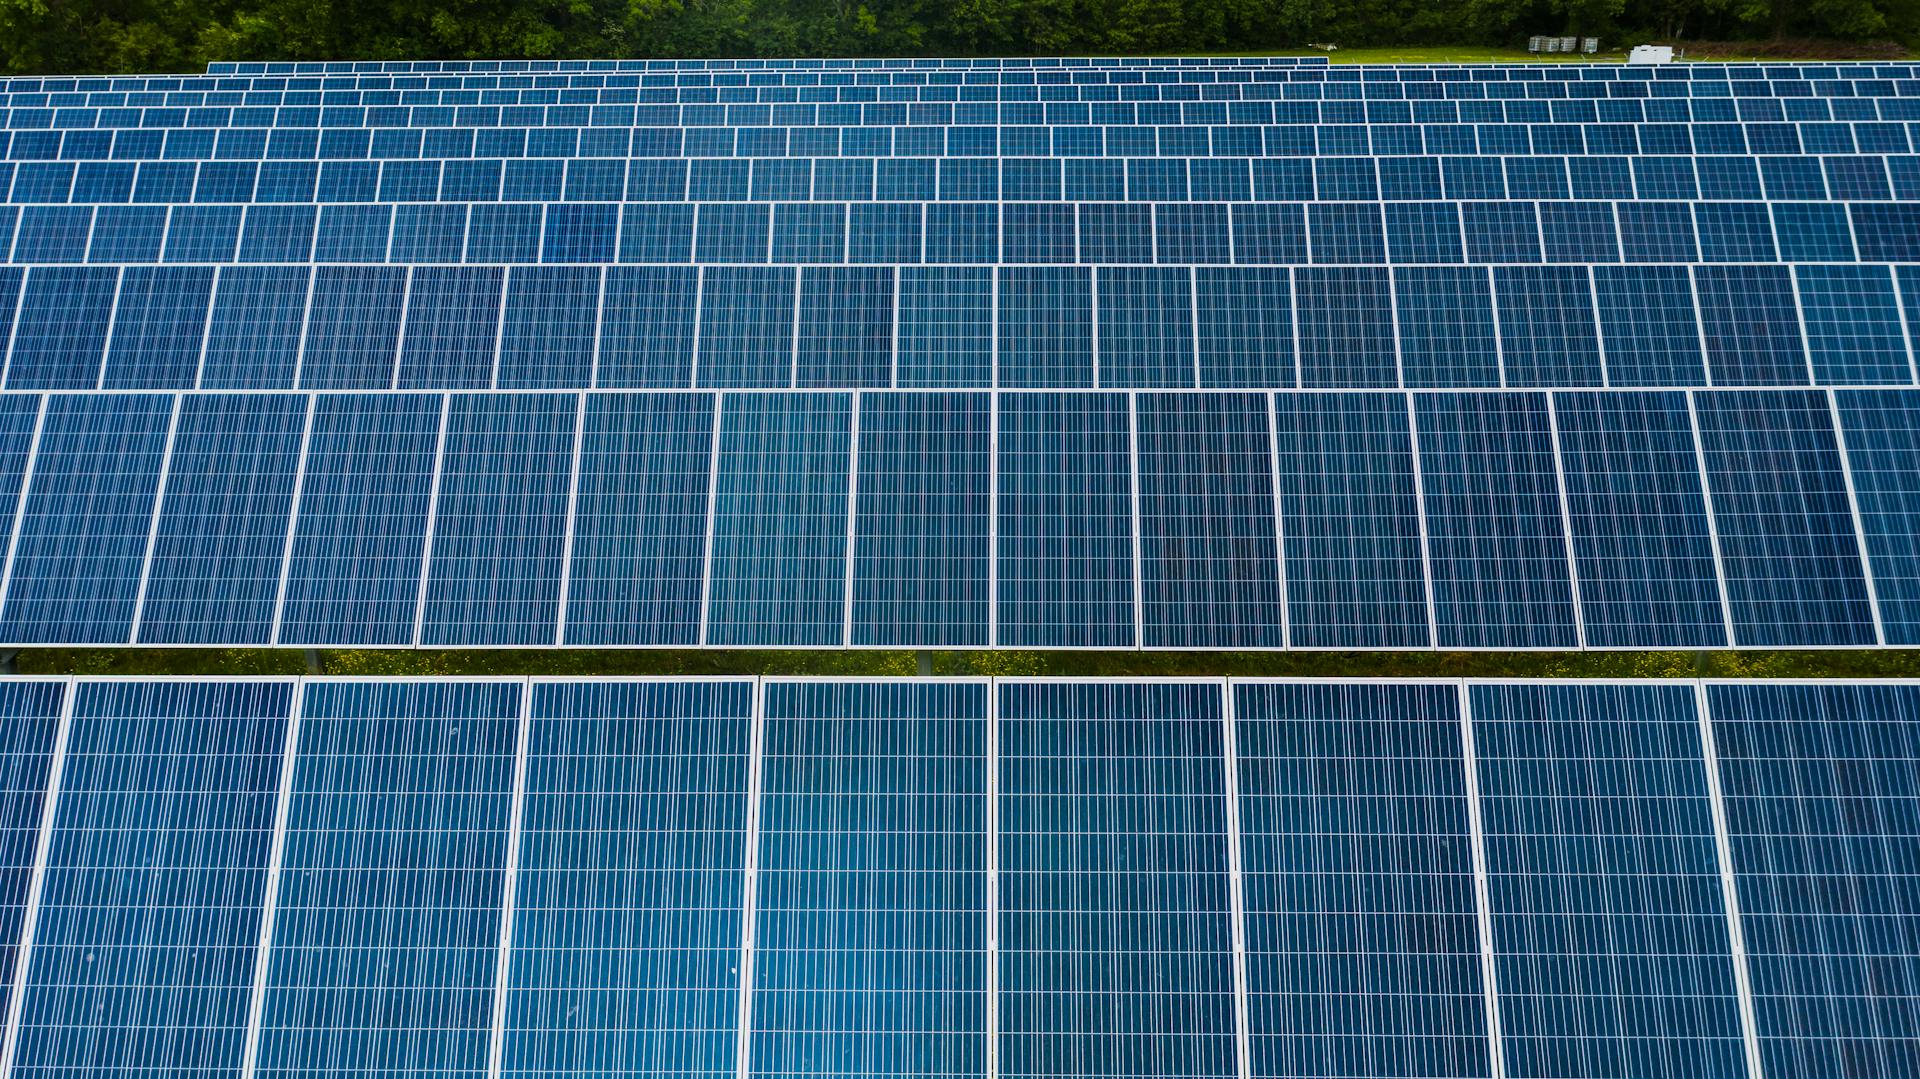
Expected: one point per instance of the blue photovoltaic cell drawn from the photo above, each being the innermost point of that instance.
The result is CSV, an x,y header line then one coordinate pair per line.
x,y
547,329
627,911
159,325
1499,556
389,901
1641,542
1066,572
779,557
29,720
1245,326
500,528
1750,325
353,574
846,327
222,533
646,326
1445,321
353,328
747,322
1882,432
143,956
1610,931
452,328
1649,326
1209,569
1787,543
1346,327
1046,327
62,329
1350,520
922,550
1363,951
1146,326
1823,818
1547,328
1115,957
82,533
253,339
1854,335
871,943
945,336
640,520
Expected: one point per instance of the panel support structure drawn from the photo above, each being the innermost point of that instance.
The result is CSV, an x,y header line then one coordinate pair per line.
x,y
29,923
1483,906
270,901
1729,886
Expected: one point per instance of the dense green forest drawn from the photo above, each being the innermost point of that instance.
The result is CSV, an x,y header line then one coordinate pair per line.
x,y
90,36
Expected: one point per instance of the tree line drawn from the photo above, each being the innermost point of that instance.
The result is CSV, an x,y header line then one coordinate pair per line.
x,y
107,36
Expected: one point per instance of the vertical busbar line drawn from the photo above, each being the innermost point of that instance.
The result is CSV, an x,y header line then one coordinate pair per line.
x,y
1499,339
1899,309
153,523
853,512
1729,885
1700,325
1133,473
893,339
36,884
20,509
993,323
113,326
406,316
1279,520
270,900
1593,302
20,305
306,319
1420,513
510,879
749,883
793,345
206,327
1800,325
500,320
573,502
433,518
699,301
1393,320
293,520
993,879
1566,525
1293,323
1713,521
1482,902
1193,318
1093,322
599,315
1236,883
713,505
1859,521
993,518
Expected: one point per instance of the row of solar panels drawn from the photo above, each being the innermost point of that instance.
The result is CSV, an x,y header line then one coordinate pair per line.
x,y
1056,520
922,879
1353,234
1113,327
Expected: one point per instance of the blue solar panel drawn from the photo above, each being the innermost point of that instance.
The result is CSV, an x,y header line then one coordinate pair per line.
x,y
1610,931
632,837
1351,971
871,944
389,901
1444,320
1882,437
149,917
1113,878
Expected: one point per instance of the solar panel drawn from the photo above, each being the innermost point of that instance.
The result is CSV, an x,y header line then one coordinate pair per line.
x,y
960,876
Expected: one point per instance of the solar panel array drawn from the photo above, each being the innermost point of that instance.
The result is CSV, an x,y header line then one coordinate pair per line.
x,y
738,877
1083,353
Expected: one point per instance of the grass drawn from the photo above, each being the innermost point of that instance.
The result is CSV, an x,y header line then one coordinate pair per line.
x,y
1718,664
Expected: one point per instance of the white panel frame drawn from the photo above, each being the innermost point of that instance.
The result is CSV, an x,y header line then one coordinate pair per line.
x,y
1729,884
30,919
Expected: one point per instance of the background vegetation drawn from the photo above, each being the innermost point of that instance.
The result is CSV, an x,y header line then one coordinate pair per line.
x,y
96,36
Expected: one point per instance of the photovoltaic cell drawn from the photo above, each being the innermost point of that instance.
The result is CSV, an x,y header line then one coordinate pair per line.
x,y
1352,971
215,570
1498,551
1787,544
1351,521
1066,560
922,550
1114,937
1882,437
143,954
1209,568
627,908
871,946
779,560
1641,542
1823,819
641,501
389,901
1610,931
